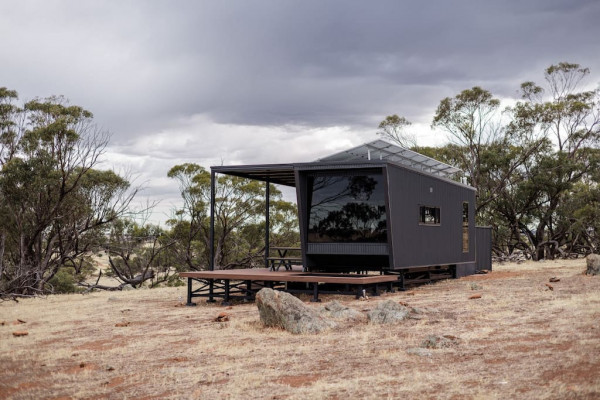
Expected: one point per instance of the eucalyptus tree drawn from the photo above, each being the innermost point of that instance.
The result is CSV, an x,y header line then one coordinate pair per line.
x,y
239,219
54,202
567,115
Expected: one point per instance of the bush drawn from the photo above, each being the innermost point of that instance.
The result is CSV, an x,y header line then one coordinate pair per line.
x,y
63,282
175,280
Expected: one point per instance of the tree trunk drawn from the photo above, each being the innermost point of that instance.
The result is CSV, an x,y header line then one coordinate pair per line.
x,y
2,242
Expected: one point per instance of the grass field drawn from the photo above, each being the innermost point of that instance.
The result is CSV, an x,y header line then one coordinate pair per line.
x,y
519,340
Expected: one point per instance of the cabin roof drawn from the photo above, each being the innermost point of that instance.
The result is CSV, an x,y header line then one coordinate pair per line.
x,y
367,155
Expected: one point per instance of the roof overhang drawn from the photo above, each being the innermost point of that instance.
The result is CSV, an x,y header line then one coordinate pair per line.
x,y
280,174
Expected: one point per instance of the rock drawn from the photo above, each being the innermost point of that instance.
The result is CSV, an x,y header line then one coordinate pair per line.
x,y
593,264
554,279
20,333
283,310
417,351
222,317
388,312
127,287
336,310
549,286
122,324
475,296
438,342
411,293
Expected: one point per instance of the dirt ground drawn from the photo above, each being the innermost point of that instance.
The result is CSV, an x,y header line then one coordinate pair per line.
x,y
520,339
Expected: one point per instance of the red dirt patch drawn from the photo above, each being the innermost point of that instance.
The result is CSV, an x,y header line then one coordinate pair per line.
x,y
298,380
492,275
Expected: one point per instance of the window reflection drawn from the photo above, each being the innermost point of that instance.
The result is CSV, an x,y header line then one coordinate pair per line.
x,y
347,209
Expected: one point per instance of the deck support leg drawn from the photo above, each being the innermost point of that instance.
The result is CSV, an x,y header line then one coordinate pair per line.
x,y
248,296
211,290
189,293
376,290
315,298
225,301
360,291
401,279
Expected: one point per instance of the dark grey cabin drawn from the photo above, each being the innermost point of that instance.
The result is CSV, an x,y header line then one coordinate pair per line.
x,y
379,207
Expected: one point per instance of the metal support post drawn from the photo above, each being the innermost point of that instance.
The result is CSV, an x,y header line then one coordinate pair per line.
x,y
315,298
189,293
211,234
211,287
226,295
267,222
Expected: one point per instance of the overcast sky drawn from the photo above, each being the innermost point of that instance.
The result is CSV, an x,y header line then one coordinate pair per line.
x,y
240,82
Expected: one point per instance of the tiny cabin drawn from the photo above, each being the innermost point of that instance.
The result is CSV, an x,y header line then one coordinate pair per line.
x,y
380,207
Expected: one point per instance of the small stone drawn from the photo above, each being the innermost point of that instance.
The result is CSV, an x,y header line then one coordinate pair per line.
x,y
82,365
417,351
549,286
554,279
411,293
475,296
438,342
222,317
109,368
336,310
20,333
122,324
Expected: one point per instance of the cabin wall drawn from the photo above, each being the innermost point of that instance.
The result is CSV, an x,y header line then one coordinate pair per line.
x,y
414,244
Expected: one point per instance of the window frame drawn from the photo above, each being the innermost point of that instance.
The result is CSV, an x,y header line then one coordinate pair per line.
x,y
465,227
437,215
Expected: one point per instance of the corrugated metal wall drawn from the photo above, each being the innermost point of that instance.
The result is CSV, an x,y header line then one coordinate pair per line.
x,y
484,248
415,244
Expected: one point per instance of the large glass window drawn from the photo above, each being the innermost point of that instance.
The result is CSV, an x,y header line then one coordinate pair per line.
x,y
347,209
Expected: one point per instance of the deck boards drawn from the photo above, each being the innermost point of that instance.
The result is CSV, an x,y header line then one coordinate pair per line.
x,y
264,274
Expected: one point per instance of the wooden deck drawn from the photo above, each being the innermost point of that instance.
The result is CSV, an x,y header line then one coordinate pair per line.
x,y
227,283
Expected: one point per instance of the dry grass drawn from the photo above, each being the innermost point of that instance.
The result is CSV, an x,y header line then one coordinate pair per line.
x,y
519,340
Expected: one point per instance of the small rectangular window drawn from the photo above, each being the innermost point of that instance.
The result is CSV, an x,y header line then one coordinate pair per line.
x,y
429,215
465,228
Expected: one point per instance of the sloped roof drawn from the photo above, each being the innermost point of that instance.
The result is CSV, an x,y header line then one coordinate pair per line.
x,y
378,151
384,151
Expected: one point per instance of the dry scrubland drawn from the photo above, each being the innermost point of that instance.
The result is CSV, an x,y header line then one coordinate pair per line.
x,y
519,340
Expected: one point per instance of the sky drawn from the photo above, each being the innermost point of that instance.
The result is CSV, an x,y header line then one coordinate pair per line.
x,y
243,82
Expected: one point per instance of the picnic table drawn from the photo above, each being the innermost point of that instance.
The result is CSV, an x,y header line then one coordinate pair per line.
x,y
283,259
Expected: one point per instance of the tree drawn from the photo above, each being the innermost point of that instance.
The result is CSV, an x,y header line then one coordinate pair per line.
x,y
55,204
570,120
393,128
480,145
239,219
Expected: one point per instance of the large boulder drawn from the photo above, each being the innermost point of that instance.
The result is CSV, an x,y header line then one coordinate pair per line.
x,y
388,312
593,264
283,310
